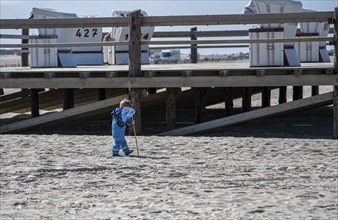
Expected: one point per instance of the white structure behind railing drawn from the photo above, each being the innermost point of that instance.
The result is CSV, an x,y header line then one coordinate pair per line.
x,y
120,54
313,51
68,57
289,31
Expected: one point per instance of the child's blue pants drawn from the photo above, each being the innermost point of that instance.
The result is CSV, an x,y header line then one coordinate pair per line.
x,y
119,139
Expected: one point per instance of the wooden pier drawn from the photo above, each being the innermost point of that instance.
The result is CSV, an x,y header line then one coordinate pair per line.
x,y
136,81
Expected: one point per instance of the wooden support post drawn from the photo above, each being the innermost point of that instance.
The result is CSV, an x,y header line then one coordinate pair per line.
x,y
266,97
246,100
102,94
335,111
193,50
200,104
24,62
35,102
229,101
135,65
68,99
135,98
282,94
152,91
200,108
171,108
315,90
297,92
24,54
335,88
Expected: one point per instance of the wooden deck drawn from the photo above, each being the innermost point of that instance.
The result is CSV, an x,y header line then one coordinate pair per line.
x,y
169,75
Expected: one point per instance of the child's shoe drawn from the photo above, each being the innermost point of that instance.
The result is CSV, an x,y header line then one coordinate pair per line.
x,y
128,152
116,155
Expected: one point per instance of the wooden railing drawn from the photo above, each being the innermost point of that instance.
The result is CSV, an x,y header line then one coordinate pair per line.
x,y
194,20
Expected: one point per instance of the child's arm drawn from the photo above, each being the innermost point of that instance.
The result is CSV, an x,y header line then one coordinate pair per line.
x,y
127,113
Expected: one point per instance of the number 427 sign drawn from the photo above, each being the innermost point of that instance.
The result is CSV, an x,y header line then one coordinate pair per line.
x,y
86,32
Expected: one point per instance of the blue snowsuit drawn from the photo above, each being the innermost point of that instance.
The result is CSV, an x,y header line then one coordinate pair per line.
x,y
121,119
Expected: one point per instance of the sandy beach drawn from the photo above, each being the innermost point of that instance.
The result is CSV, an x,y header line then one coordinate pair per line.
x,y
206,177
281,167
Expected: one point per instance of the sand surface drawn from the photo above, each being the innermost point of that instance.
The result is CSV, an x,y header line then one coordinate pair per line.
x,y
74,177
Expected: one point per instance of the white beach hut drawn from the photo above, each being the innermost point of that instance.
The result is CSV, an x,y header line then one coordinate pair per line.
x,y
272,54
119,55
313,51
68,57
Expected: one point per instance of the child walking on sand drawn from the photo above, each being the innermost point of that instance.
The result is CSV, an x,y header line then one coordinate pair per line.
x,y
121,119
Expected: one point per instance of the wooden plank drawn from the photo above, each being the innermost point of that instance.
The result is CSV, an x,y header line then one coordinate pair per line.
x,y
102,94
135,66
162,34
49,75
282,94
232,19
5,75
35,103
168,20
246,100
314,90
63,22
68,99
16,95
335,112
297,92
16,36
167,42
193,50
24,56
335,88
171,108
229,33
200,104
239,41
240,67
135,43
53,99
266,97
66,115
229,101
165,82
308,103
199,47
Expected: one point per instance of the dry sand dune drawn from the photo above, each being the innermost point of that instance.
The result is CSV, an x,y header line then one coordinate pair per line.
x,y
74,177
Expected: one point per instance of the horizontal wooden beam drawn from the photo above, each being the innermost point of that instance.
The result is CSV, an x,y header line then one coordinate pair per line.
x,y
115,70
200,47
234,19
162,34
63,23
57,117
188,34
116,43
187,20
241,41
302,104
26,37
230,33
169,82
